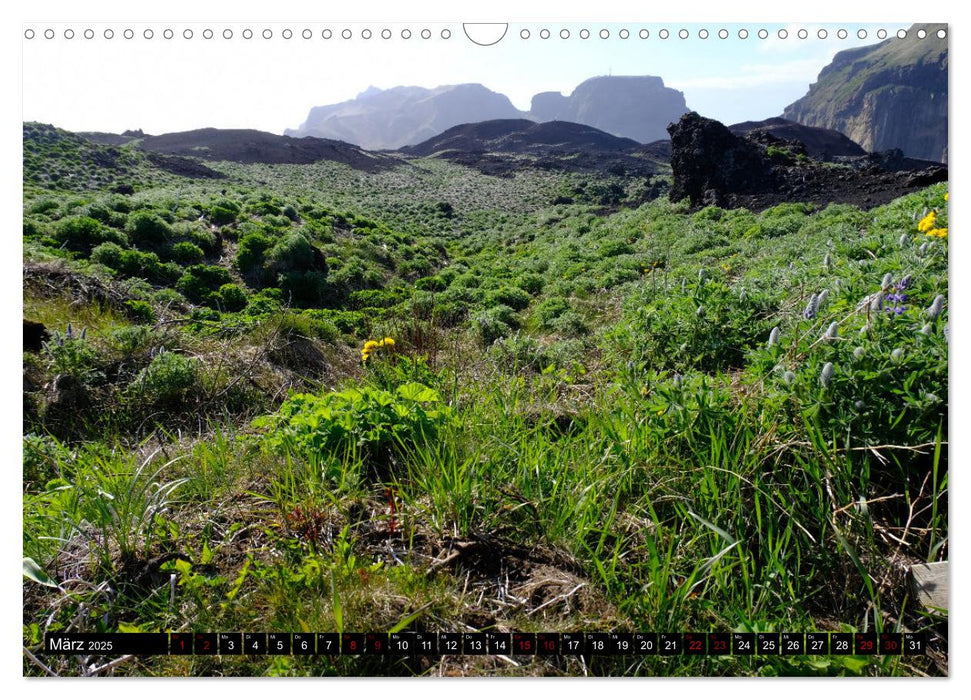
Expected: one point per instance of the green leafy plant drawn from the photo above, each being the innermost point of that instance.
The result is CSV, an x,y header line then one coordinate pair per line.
x,y
370,422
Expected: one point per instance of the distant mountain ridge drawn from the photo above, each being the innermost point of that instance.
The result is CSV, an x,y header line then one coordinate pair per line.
x,y
388,119
248,146
889,95
521,136
636,107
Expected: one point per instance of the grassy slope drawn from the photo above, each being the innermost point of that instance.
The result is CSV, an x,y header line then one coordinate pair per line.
x,y
608,443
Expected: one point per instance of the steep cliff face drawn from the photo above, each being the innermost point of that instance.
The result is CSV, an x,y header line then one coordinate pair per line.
x,y
378,119
636,107
890,95
548,106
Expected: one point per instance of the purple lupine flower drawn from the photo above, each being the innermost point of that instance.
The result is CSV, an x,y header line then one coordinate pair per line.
x,y
812,307
897,298
774,336
826,374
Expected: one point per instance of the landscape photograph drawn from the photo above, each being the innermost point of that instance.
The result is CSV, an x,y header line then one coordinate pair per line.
x,y
533,350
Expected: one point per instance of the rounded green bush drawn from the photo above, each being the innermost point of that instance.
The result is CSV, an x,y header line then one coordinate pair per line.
x,y
148,228
82,233
495,323
233,297
250,252
187,253
515,298
200,280
292,253
166,380
108,254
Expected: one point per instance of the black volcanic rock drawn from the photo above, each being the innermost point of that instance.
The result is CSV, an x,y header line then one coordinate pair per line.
x,y
709,162
888,95
35,335
250,146
711,165
638,107
389,119
186,167
821,144
658,150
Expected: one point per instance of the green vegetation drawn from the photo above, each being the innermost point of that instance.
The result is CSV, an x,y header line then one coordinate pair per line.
x,y
589,417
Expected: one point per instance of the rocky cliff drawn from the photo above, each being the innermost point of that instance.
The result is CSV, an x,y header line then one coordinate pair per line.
x,y
379,119
889,95
636,107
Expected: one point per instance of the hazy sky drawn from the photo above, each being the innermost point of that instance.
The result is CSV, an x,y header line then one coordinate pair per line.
x,y
174,84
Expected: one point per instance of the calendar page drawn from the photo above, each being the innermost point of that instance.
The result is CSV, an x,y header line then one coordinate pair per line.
x,y
424,348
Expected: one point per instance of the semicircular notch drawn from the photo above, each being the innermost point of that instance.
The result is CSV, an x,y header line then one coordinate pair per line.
x,y
485,33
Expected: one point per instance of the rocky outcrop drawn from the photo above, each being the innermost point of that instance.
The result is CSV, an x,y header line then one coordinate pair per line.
x,y
710,163
890,95
712,166
390,119
637,107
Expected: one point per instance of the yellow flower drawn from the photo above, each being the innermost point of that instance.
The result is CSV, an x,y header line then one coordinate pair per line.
x,y
927,223
389,342
938,232
945,196
370,345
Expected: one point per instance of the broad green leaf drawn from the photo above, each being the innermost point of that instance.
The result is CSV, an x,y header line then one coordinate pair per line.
x,y
413,391
207,555
33,571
